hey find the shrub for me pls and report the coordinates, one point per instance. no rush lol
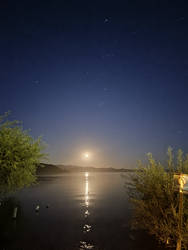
(19, 156)
(155, 199)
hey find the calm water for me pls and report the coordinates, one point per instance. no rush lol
(77, 211)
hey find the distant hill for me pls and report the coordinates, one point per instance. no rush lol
(48, 169)
(71, 168)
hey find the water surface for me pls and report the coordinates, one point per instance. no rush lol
(77, 211)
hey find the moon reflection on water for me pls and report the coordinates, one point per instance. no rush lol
(87, 227)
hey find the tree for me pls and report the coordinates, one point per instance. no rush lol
(155, 199)
(20, 155)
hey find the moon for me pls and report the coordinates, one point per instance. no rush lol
(86, 156)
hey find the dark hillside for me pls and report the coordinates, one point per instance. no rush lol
(48, 169)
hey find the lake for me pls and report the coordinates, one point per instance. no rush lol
(77, 211)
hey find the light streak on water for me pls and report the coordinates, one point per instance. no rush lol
(86, 190)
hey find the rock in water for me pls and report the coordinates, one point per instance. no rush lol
(37, 208)
(15, 213)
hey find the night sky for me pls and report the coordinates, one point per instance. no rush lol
(105, 77)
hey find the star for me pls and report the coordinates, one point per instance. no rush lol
(133, 32)
(180, 19)
(108, 55)
(179, 131)
(36, 81)
(100, 104)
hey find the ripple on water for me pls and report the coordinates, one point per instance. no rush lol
(87, 213)
(85, 245)
(86, 228)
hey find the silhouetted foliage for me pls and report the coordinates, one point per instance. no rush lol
(20, 155)
(155, 199)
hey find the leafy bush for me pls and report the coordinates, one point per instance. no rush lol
(19, 156)
(155, 199)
